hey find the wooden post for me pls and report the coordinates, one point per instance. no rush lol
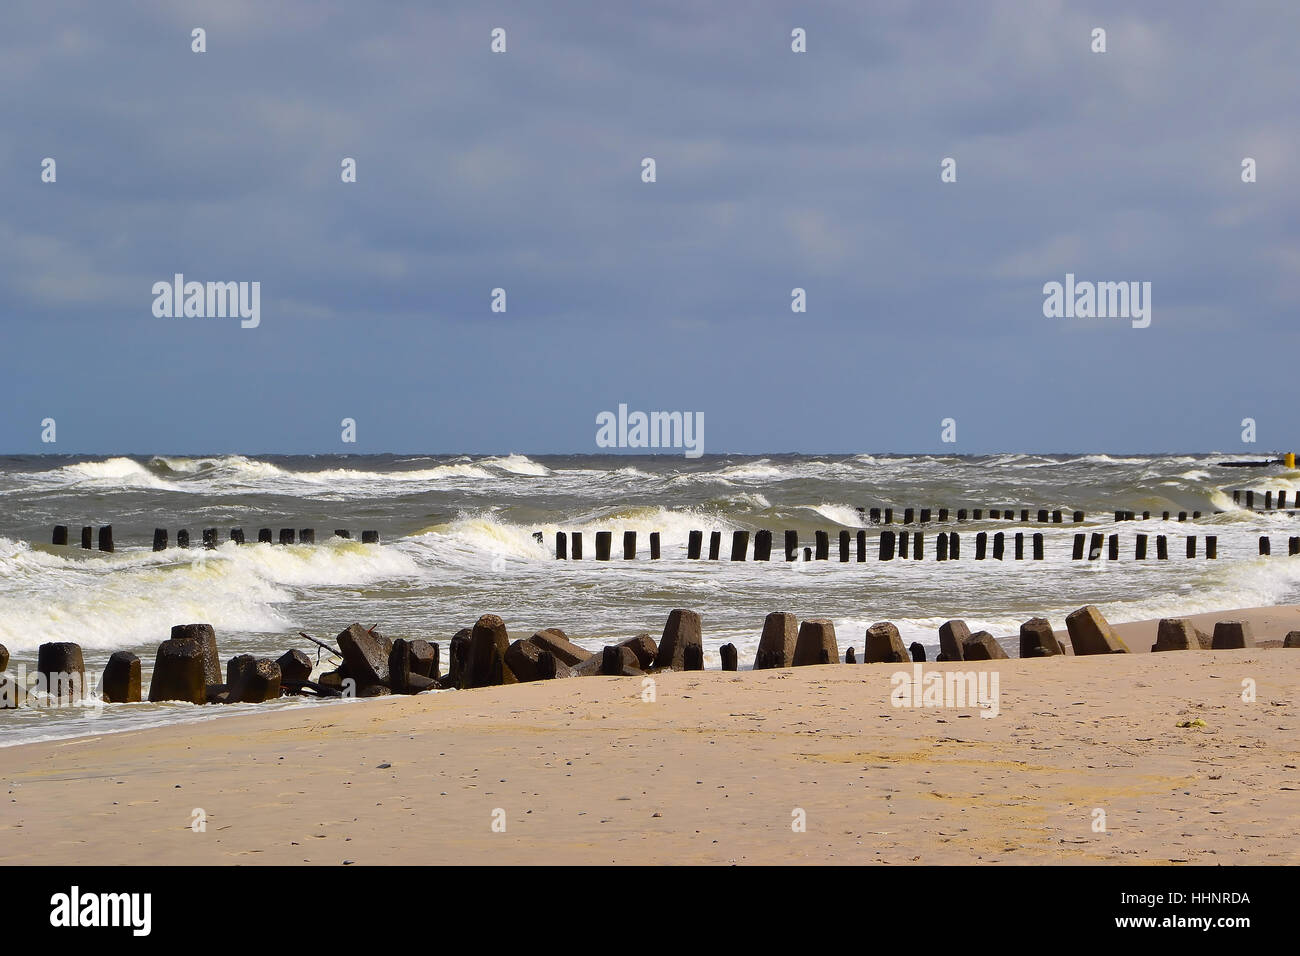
(715, 545)
(1056, 516)
(160, 539)
(1211, 546)
(981, 545)
(694, 541)
(943, 514)
(286, 536)
(961, 514)
(1162, 548)
(307, 536)
(1113, 543)
(263, 537)
(925, 516)
(1024, 516)
(561, 546)
(823, 541)
(844, 547)
(183, 538)
(654, 545)
(1094, 545)
(1265, 545)
(902, 544)
(886, 546)
(1140, 548)
(1077, 554)
(908, 515)
(918, 545)
(106, 538)
(61, 535)
(369, 537)
(739, 545)
(762, 546)
(1077, 516)
(604, 543)
(862, 546)
(792, 545)
(209, 538)
(999, 542)
(1020, 546)
(729, 657)
(874, 516)
(1042, 516)
(1191, 545)
(1038, 546)
(87, 538)
(941, 547)
(575, 546)
(954, 546)
(889, 516)
(629, 545)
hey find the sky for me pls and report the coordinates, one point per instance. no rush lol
(523, 170)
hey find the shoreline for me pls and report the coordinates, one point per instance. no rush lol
(585, 770)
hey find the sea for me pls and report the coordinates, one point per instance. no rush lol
(458, 539)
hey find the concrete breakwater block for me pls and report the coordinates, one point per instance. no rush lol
(424, 658)
(294, 666)
(1091, 634)
(816, 644)
(884, 645)
(529, 662)
(62, 668)
(777, 643)
(1038, 640)
(982, 646)
(121, 681)
(644, 647)
(566, 652)
(258, 681)
(402, 678)
(1232, 634)
(365, 654)
(1177, 634)
(683, 629)
(952, 635)
(179, 672)
(206, 637)
(485, 666)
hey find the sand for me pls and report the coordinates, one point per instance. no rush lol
(717, 769)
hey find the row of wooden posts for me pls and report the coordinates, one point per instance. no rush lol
(1043, 515)
(884, 515)
(902, 544)
(211, 537)
(1247, 498)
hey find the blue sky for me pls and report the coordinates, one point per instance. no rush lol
(522, 170)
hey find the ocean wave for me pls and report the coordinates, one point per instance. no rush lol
(132, 598)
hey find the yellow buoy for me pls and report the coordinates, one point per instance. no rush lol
(1290, 459)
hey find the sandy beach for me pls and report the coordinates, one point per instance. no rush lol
(714, 770)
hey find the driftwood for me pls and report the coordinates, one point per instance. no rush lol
(318, 690)
(334, 651)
